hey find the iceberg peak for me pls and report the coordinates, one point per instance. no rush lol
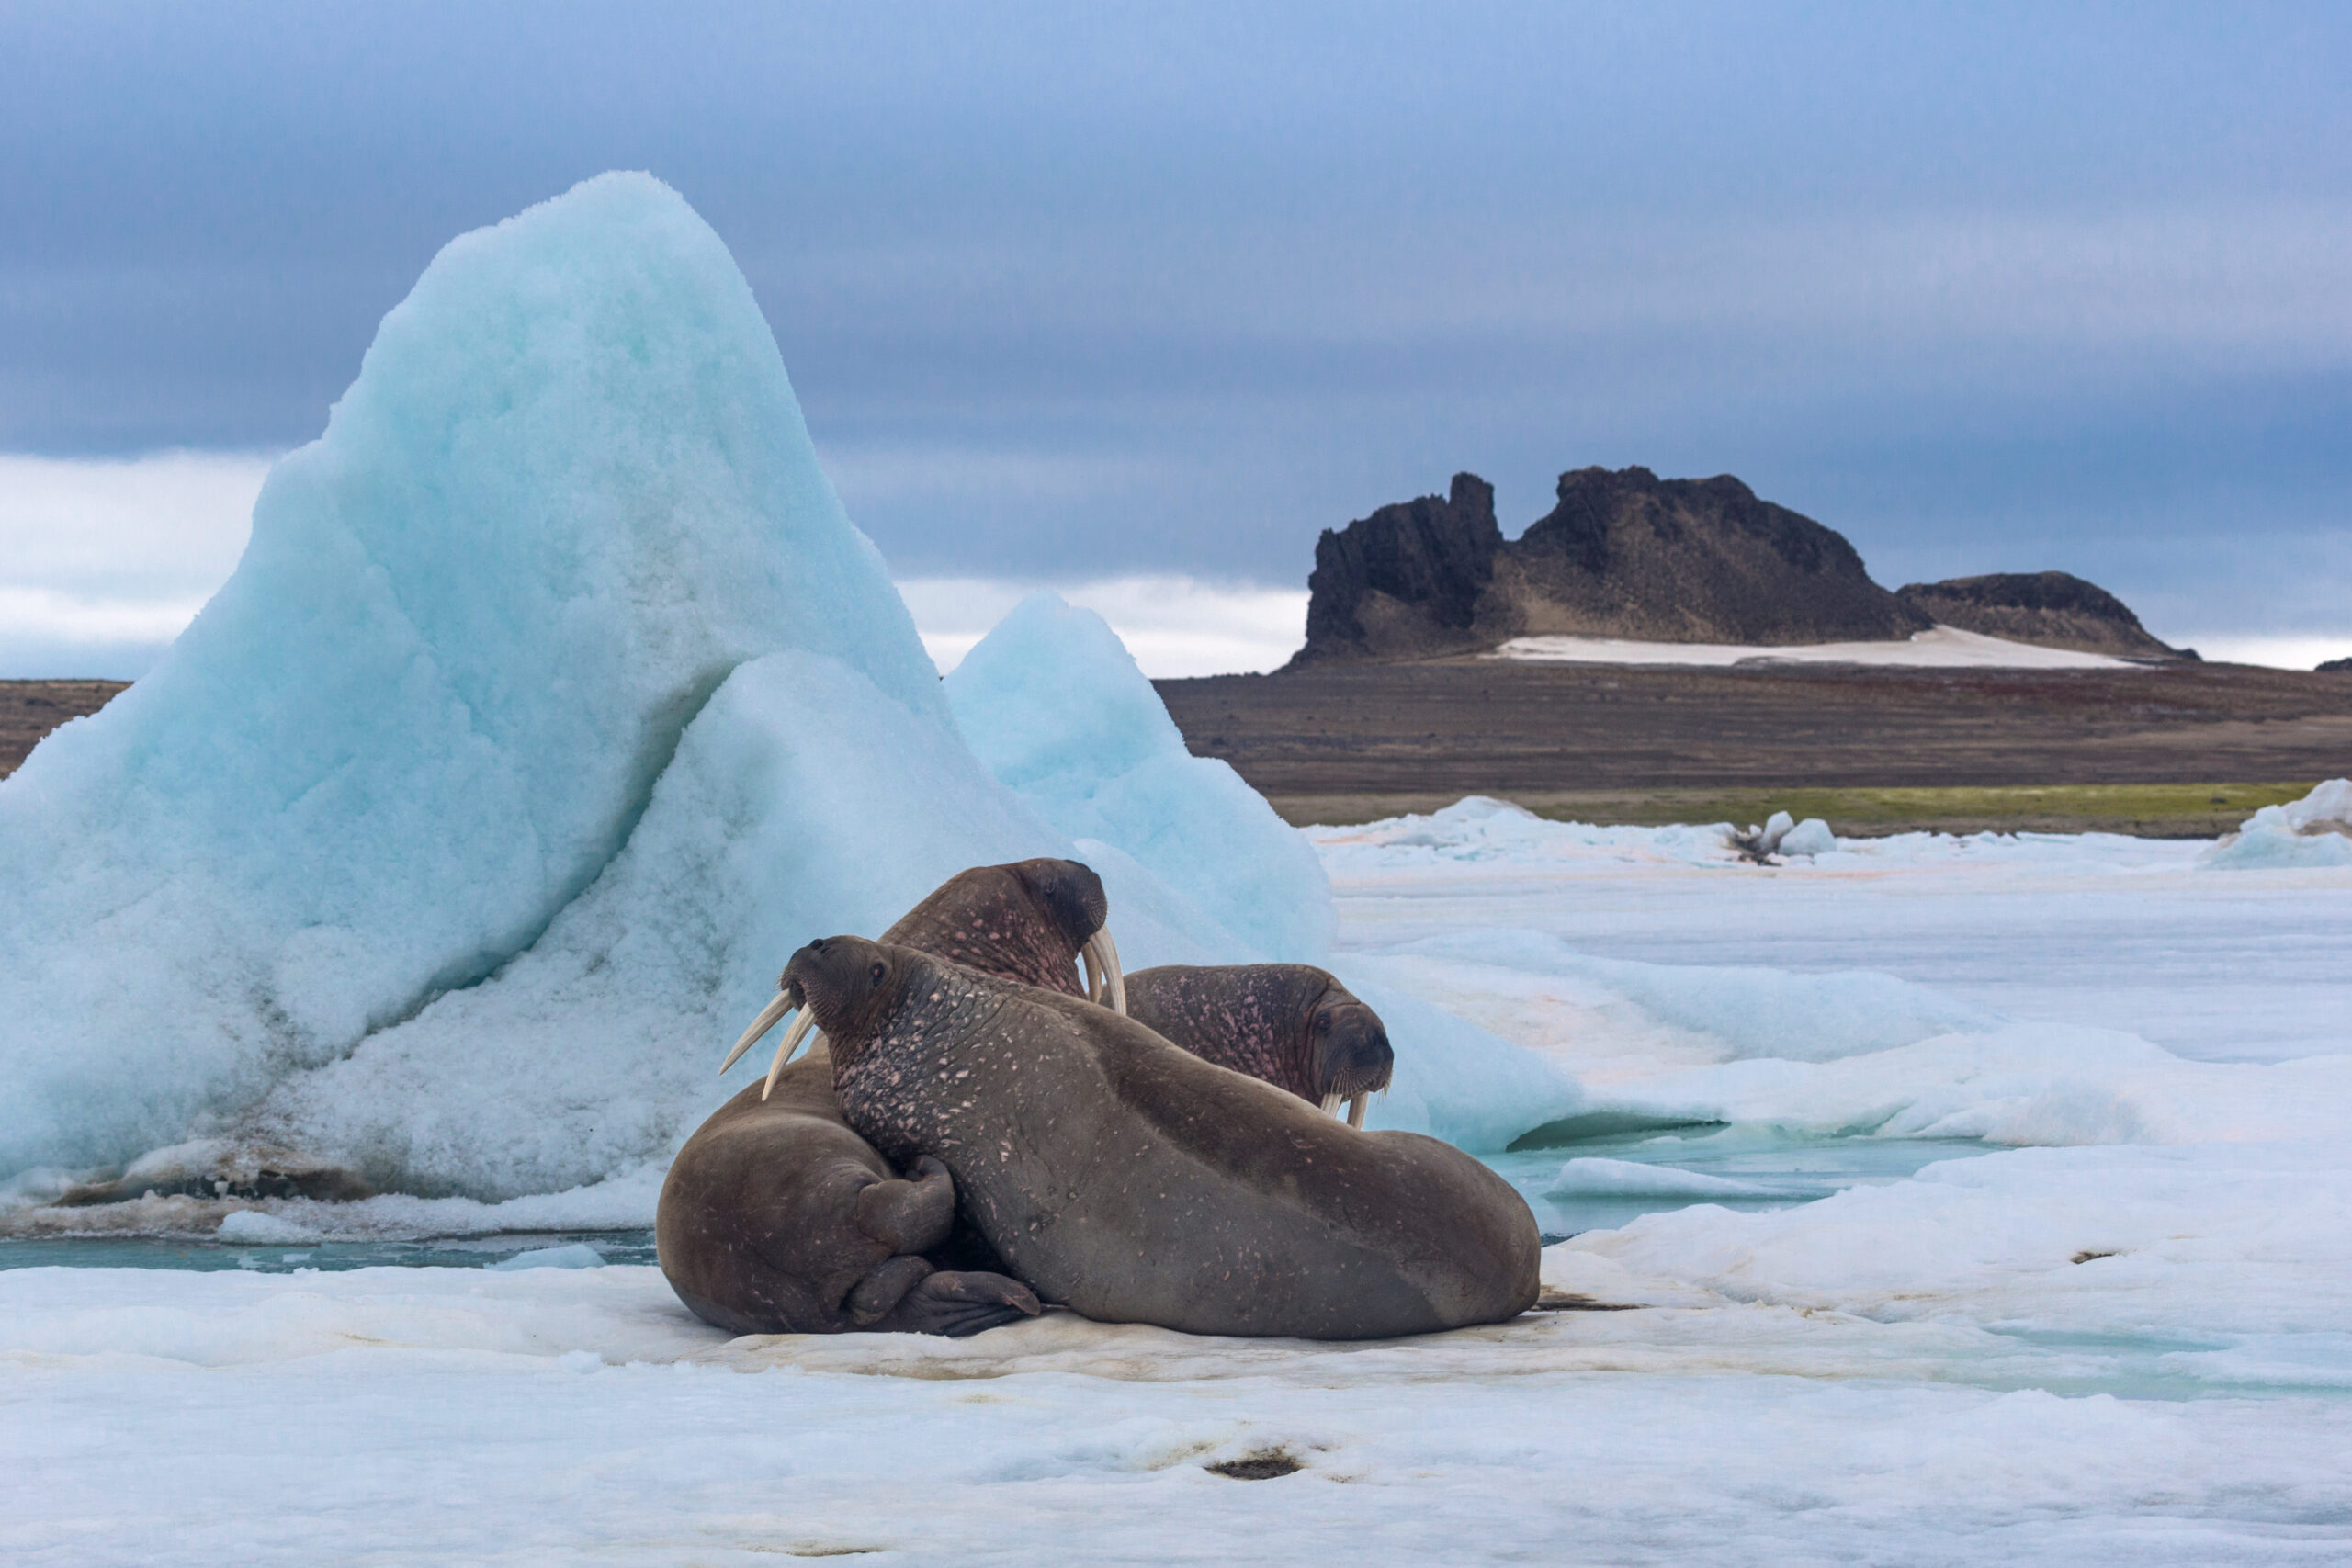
(568, 493)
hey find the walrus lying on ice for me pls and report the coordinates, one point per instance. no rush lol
(776, 1218)
(1140, 1184)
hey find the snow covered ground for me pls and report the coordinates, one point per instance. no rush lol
(2094, 1303)
(1937, 648)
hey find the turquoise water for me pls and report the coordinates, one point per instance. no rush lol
(1790, 1169)
(443, 1252)
(1785, 1167)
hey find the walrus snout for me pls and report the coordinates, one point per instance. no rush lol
(1072, 898)
(1071, 893)
(1352, 1056)
(791, 993)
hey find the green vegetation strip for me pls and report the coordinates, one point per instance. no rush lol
(2158, 811)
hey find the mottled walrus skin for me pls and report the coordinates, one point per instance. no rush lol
(776, 1218)
(1137, 1183)
(1292, 1025)
(1024, 921)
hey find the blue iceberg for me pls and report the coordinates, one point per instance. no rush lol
(555, 701)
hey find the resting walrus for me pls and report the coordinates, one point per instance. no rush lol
(1292, 1025)
(1140, 1184)
(776, 1218)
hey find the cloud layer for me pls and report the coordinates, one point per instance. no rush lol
(104, 561)
(1075, 294)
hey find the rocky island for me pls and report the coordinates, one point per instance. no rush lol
(2051, 609)
(1625, 554)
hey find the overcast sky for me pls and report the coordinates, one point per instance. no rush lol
(1091, 291)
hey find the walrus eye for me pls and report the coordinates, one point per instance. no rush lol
(1322, 1023)
(876, 972)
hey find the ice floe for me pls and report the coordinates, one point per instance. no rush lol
(549, 1413)
(2313, 831)
(2096, 1353)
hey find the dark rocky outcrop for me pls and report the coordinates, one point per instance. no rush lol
(2051, 609)
(1623, 554)
(1629, 555)
(1406, 581)
(2334, 667)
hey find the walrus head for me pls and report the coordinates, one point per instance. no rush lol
(1032, 920)
(1349, 1046)
(1039, 921)
(792, 994)
(843, 983)
(1070, 897)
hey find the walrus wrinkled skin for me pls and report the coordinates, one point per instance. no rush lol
(1292, 1025)
(1024, 921)
(1138, 1183)
(776, 1218)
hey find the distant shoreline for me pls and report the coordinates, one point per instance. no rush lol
(1874, 749)
(30, 709)
(2181, 752)
(2144, 811)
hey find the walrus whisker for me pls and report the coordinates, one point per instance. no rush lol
(1355, 1110)
(766, 1021)
(788, 1045)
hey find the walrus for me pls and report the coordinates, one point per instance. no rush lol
(776, 1218)
(1292, 1025)
(1137, 1183)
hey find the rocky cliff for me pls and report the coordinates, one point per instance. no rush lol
(1623, 554)
(1406, 581)
(2054, 609)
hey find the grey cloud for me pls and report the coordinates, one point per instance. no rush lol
(1072, 290)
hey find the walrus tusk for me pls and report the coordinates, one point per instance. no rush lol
(1101, 967)
(1331, 1104)
(786, 1046)
(760, 1025)
(1104, 983)
(1355, 1110)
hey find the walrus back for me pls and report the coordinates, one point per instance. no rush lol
(1457, 1230)
(1252, 1026)
(1137, 1183)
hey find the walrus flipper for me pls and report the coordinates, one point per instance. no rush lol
(879, 1293)
(911, 1216)
(957, 1303)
